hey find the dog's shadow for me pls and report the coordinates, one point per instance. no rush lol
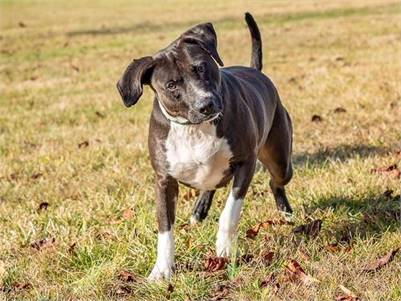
(374, 214)
(341, 153)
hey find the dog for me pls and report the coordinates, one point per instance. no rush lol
(209, 125)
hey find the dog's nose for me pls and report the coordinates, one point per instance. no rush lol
(207, 108)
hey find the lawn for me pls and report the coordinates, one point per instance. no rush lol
(77, 210)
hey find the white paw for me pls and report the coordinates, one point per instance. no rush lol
(160, 272)
(223, 244)
(193, 220)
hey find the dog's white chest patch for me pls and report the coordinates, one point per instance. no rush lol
(196, 156)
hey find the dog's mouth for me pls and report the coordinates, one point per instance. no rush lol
(211, 118)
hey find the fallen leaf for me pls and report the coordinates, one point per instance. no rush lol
(220, 292)
(76, 68)
(271, 281)
(128, 213)
(311, 229)
(100, 115)
(392, 169)
(340, 110)
(316, 118)
(245, 258)
(213, 264)
(335, 248)
(388, 193)
(43, 206)
(381, 262)
(347, 296)
(83, 144)
(21, 24)
(71, 248)
(126, 276)
(295, 272)
(18, 286)
(267, 258)
(253, 232)
(190, 194)
(44, 243)
(36, 176)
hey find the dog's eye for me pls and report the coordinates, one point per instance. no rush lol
(171, 86)
(200, 68)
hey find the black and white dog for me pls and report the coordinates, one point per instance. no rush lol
(209, 125)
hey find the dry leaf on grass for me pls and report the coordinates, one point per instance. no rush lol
(126, 276)
(213, 264)
(316, 118)
(220, 292)
(267, 258)
(381, 262)
(311, 229)
(44, 243)
(36, 176)
(347, 295)
(128, 213)
(295, 273)
(335, 248)
(340, 110)
(83, 144)
(43, 206)
(254, 231)
(271, 281)
(392, 170)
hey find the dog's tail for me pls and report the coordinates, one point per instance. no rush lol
(256, 58)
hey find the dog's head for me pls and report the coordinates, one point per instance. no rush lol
(184, 76)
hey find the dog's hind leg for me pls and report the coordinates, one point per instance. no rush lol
(202, 206)
(276, 156)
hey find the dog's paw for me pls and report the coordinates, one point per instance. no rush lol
(160, 272)
(223, 244)
(194, 220)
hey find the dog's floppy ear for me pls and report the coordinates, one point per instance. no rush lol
(135, 76)
(204, 36)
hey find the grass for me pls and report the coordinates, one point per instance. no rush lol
(59, 63)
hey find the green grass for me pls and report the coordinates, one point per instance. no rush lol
(57, 90)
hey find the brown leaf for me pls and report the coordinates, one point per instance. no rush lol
(253, 232)
(190, 194)
(43, 243)
(267, 258)
(71, 248)
(340, 110)
(99, 114)
(317, 118)
(128, 213)
(18, 286)
(220, 292)
(83, 144)
(213, 264)
(21, 24)
(347, 296)
(126, 276)
(381, 262)
(36, 176)
(388, 193)
(392, 169)
(335, 248)
(43, 206)
(295, 272)
(270, 280)
(76, 68)
(311, 229)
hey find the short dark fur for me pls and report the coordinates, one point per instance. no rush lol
(255, 123)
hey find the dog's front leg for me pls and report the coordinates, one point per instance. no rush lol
(166, 198)
(229, 218)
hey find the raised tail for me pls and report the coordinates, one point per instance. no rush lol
(256, 58)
